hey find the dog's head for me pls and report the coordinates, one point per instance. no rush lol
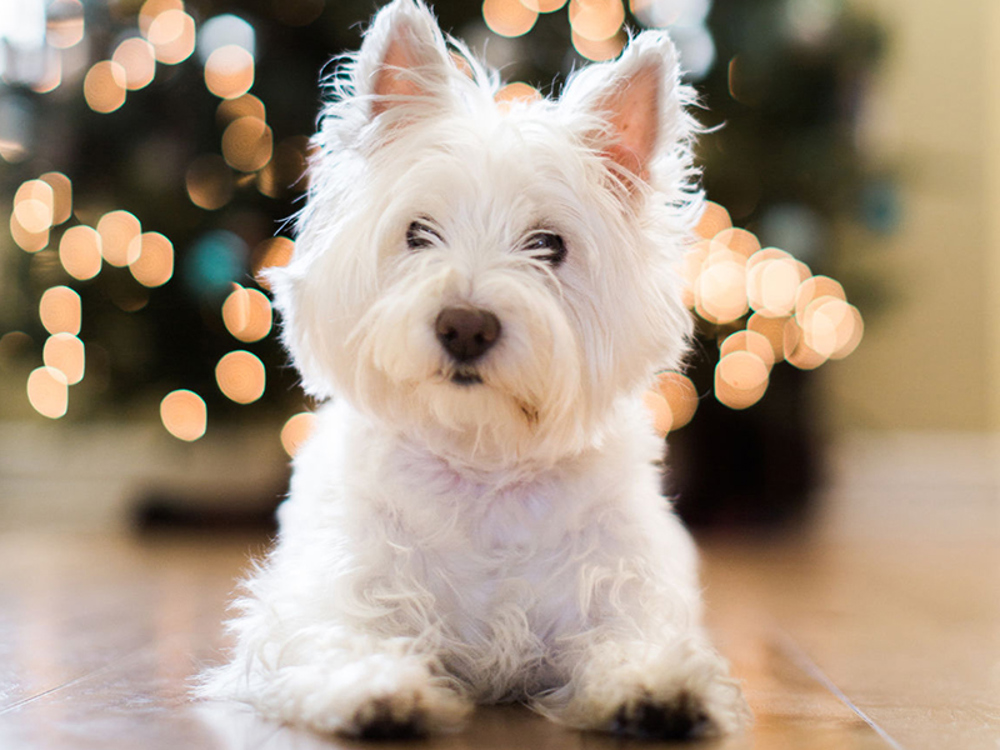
(489, 278)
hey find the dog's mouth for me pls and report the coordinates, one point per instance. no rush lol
(466, 377)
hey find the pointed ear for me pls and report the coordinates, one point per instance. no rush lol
(403, 59)
(637, 101)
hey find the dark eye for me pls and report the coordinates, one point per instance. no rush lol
(420, 234)
(546, 246)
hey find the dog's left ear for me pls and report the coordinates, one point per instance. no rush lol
(637, 105)
(404, 62)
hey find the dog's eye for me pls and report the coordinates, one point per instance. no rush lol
(420, 235)
(546, 246)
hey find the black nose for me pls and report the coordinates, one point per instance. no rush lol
(466, 333)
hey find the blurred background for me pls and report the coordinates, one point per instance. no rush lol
(845, 282)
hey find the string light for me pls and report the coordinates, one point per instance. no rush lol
(247, 314)
(229, 71)
(184, 415)
(59, 310)
(681, 396)
(659, 409)
(172, 34)
(62, 194)
(543, 6)
(120, 243)
(64, 23)
(65, 352)
(155, 265)
(598, 51)
(104, 86)
(48, 392)
(247, 143)
(794, 316)
(240, 376)
(271, 253)
(209, 182)
(596, 20)
(80, 252)
(137, 58)
(296, 431)
(34, 206)
(508, 18)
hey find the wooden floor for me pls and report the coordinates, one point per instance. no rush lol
(846, 647)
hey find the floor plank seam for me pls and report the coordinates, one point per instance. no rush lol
(797, 654)
(70, 683)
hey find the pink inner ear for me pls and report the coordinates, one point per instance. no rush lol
(634, 115)
(391, 80)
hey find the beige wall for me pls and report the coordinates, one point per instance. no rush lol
(928, 361)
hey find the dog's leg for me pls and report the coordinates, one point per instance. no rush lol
(637, 661)
(331, 681)
(666, 691)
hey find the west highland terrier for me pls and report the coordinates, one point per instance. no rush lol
(481, 293)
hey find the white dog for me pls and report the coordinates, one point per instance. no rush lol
(483, 293)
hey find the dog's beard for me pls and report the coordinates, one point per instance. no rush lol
(522, 400)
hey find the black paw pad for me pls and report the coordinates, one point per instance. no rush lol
(679, 719)
(382, 725)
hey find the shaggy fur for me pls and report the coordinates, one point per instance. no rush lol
(484, 530)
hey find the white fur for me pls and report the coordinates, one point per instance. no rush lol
(444, 544)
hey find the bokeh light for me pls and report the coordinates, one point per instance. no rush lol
(287, 169)
(172, 34)
(247, 105)
(48, 392)
(749, 341)
(52, 77)
(659, 409)
(247, 144)
(516, 92)
(681, 395)
(596, 20)
(543, 6)
(62, 193)
(65, 352)
(209, 182)
(80, 252)
(152, 8)
(600, 50)
(720, 295)
(59, 310)
(226, 30)
(275, 252)
(714, 219)
(247, 314)
(772, 329)
(138, 59)
(155, 265)
(184, 415)
(741, 379)
(34, 206)
(120, 244)
(798, 352)
(64, 23)
(240, 376)
(30, 242)
(296, 431)
(229, 71)
(104, 86)
(508, 18)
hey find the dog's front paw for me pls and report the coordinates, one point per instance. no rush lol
(680, 718)
(372, 697)
(648, 691)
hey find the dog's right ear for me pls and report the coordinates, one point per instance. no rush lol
(404, 66)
